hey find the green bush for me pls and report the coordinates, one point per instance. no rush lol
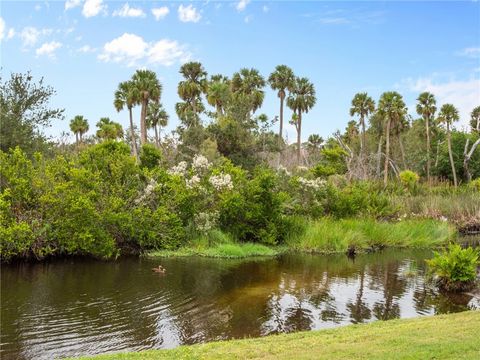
(454, 269)
(475, 184)
(409, 180)
(150, 156)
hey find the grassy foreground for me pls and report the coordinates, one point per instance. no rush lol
(326, 236)
(453, 336)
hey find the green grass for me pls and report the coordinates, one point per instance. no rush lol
(331, 236)
(453, 336)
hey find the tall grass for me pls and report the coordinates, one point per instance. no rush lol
(329, 236)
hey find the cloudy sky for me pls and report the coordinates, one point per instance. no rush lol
(84, 48)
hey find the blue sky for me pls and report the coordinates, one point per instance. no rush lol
(84, 48)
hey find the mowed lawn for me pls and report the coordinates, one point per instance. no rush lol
(453, 336)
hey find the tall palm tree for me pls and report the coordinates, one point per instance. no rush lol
(315, 142)
(447, 116)
(149, 89)
(156, 117)
(249, 83)
(426, 107)
(190, 90)
(282, 79)
(79, 126)
(362, 105)
(218, 94)
(301, 99)
(127, 95)
(392, 109)
(475, 119)
(108, 129)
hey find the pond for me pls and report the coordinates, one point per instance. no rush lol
(76, 307)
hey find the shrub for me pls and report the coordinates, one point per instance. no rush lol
(150, 156)
(409, 180)
(454, 269)
(475, 184)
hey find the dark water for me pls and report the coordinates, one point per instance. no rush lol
(78, 307)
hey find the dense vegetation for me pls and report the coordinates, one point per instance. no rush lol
(225, 171)
(452, 336)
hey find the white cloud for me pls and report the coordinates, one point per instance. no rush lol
(167, 52)
(471, 52)
(464, 94)
(160, 12)
(93, 8)
(188, 14)
(38, 7)
(248, 18)
(70, 4)
(2, 28)
(132, 49)
(30, 35)
(127, 11)
(265, 8)
(11, 33)
(48, 49)
(86, 49)
(242, 4)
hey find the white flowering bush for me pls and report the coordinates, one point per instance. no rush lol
(193, 182)
(221, 182)
(200, 163)
(147, 192)
(314, 184)
(180, 169)
(206, 221)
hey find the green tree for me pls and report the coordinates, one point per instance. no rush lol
(79, 126)
(362, 105)
(149, 89)
(392, 109)
(426, 108)
(281, 80)
(475, 120)
(108, 129)
(157, 117)
(300, 100)
(127, 95)
(218, 95)
(25, 112)
(190, 90)
(249, 84)
(447, 116)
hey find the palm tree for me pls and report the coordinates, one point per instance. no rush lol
(447, 116)
(79, 126)
(281, 79)
(127, 95)
(426, 108)
(392, 109)
(156, 117)
(108, 129)
(315, 142)
(148, 88)
(475, 119)
(249, 83)
(362, 105)
(190, 91)
(301, 99)
(218, 94)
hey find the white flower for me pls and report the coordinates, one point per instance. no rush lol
(152, 184)
(200, 163)
(311, 184)
(204, 222)
(180, 169)
(283, 169)
(302, 168)
(222, 181)
(193, 182)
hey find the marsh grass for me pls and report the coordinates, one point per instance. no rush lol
(331, 236)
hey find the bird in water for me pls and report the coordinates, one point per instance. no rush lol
(160, 269)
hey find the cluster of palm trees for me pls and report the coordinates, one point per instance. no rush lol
(142, 89)
(392, 113)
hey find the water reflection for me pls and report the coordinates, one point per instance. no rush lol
(75, 307)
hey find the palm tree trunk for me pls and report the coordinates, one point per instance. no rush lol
(363, 142)
(467, 156)
(427, 120)
(299, 137)
(379, 155)
(157, 141)
(387, 153)
(451, 156)
(76, 138)
(402, 152)
(280, 132)
(132, 134)
(143, 127)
